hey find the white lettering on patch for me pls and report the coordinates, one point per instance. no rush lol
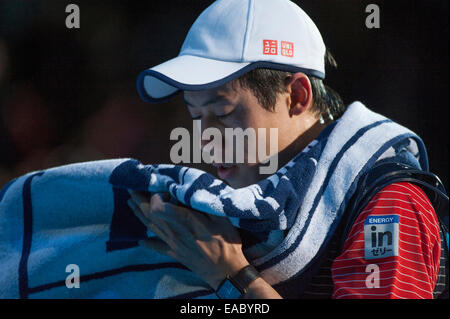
(381, 236)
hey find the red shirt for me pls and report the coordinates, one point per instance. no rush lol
(393, 248)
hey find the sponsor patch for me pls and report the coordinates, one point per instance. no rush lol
(381, 236)
(270, 47)
(287, 49)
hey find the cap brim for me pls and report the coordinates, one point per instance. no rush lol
(185, 72)
(193, 73)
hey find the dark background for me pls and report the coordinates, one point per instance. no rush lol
(69, 95)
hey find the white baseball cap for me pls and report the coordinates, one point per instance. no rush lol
(232, 37)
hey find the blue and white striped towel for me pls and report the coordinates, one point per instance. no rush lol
(77, 215)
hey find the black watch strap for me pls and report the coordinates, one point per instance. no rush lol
(233, 287)
(244, 278)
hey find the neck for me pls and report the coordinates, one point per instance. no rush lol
(302, 140)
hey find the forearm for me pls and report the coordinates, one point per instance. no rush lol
(260, 289)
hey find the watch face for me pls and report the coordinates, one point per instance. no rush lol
(228, 291)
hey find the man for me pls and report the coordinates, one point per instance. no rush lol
(260, 64)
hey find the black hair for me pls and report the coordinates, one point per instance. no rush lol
(266, 84)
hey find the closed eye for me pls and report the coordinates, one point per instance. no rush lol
(226, 115)
(219, 116)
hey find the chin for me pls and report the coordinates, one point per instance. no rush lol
(234, 183)
(241, 180)
(242, 176)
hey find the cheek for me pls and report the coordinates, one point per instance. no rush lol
(250, 117)
(258, 124)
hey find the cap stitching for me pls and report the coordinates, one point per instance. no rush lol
(247, 28)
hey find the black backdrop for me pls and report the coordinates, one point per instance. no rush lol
(69, 94)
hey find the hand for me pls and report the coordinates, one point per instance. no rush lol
(208, 245)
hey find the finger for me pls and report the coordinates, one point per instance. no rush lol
(156, 244)
(157, 201)
(186, 221)
(173, 215)
(166, 229)
(141, 199)
(176, 221)
(183, 215)
(152, 226)
(165, 197)
(137, 211)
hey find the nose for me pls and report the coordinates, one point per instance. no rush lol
(212, 134)
(208, 122)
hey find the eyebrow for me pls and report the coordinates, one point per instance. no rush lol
(215, 99)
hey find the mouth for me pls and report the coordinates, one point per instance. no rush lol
(225, 170)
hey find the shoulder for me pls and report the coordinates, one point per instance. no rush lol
(397, 232)
(407, 193)
(406, 200)
(403, 205)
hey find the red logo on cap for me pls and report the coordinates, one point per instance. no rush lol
(270, 47)
(287, 49)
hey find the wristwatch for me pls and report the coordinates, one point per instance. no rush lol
(235, 287)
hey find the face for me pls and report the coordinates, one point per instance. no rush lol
(234, 107)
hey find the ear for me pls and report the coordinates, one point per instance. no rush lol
(299, 87)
